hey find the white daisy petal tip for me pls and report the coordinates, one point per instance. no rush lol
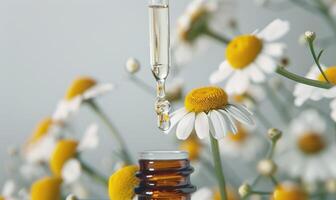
(90, 139)
(71, 171)
(275, 30)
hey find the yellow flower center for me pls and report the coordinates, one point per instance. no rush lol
(41, 129)
(64, 150)
(48, 188)
(330, 74)
(205, 99)
(193, 146)
(289, 192)
(79, 86)
(311, 143)
(122, 183)
(240, 136)
(2, 198)
(243, 50)
(198, 22)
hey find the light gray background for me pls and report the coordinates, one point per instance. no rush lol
(44, 44)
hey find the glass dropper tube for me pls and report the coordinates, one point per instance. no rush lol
(159, 33)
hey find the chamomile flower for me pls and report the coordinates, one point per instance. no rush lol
(304, 92)
(242, 144)
(8, 191)
(250, 56)
(198, 17)
(122, 183)
(81, 90)
(46, 188)
(289, 191)
(207, 110)
(308, 149)
(63, 161)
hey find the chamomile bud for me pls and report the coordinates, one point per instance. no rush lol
(310, 36)
(132, 65)
(244, 190)
(274, 134)
(266, 167)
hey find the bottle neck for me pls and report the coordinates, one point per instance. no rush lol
(164, 179)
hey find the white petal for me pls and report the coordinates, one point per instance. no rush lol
(71, 171)
(237, 84)
(274, 49)
(185, 127)
(255, 74)
(241, 114)
(229, 121)
(221, 74)
(218, 123)
(274, 30)
(175, 118)
(266, 63)
(90, 139)
(98, 90)
(202, 125)
(8, 188)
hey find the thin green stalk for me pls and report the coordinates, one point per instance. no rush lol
(274, 180)
(282, 71)
(99, 112)
(272, 150)
(93, 173)
(218, 168)
(216, 36)
(317, 62)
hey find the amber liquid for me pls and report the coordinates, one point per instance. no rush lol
(164, 180)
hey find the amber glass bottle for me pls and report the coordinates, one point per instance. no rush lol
(164, 175)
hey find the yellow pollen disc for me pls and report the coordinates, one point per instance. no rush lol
(41, 130)
(243, 50)
(311, 143)
(122, 183)
(2, 198)
(205, 99)
(330, 74)
(64, 150)
(48, 188)
(193, 146)
(289, 192)
(79, 86)
(240, 136)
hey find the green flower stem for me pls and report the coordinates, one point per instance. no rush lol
(126, 155)
(216, 36)
(218, 168)
(317, 62)
(283, 72)
(93, 173)
(272, 150)
(274, 180)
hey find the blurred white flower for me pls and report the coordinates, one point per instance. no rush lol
(242, 145)
(81, 90)
(304, 92)
(199, 15)
(333, 109)
(331, 5)
(203, 194)
(308, 149)
(72, 169)
(207, 111)
(254, 95)
(8, 190)
(249, 57)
